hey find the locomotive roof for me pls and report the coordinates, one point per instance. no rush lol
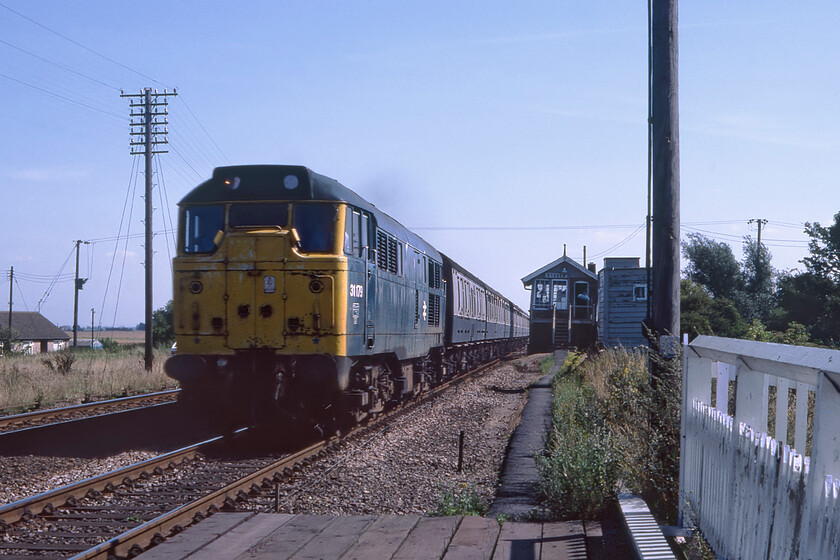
(250, 183)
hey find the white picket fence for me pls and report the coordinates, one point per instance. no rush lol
(751, 495)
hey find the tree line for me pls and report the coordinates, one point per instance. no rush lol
(750, 299)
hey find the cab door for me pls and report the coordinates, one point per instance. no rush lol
(370, 291)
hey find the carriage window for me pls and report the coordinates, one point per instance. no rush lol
(315, 224)
(201, 224)
(267, 214)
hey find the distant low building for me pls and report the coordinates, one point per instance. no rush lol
(88, 343)
(622, 303)
(32, 333)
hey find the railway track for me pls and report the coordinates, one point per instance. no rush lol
(120, 514)
(54, 415)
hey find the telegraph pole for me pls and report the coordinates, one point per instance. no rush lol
(80, 282)
(761, 222)
(146, 135)
(665, 164)
(11, 294)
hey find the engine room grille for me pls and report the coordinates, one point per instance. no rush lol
(434, 275)
(393, 265)
(382, 250)
(434, 310)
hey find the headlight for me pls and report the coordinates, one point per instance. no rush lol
(316, 286)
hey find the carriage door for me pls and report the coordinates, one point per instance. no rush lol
(370, 291)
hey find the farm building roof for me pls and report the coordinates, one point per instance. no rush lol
(31, 325)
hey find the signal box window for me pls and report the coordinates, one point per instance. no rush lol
(266, 214)
(542, 294)
(201, 224)
(315, 224)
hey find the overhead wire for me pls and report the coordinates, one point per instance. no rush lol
(56, 64)
(128, 194)
(212, 141)
(66, 38)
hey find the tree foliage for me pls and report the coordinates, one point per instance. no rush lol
(700, 313)
(712, 265)
(824, 246)
(163, 330)
(755, 299)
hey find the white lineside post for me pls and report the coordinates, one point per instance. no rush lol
(825, 461)
(696, 384)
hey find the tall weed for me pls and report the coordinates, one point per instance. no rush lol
(612, 426)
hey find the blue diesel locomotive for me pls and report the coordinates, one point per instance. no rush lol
(296, 299)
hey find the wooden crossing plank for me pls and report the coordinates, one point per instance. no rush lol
(242, 537)
(382, 538)
(289, 538)
(519, 541)
(183, 544)
(475, 539)
(336, 538)
(429, 539)
(563, 540)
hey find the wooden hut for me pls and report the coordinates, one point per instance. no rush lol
(563, 305)
(622, 302)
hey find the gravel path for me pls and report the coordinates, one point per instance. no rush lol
(410, 466)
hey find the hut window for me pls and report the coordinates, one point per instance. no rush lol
(640, 292)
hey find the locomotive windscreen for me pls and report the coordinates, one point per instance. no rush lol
(315, 224)
(265, 214)
(201, 224)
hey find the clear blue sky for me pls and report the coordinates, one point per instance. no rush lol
(499, 116)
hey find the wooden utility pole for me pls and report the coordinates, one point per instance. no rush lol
(11, 298)
(665, 163)
(79, 285)
(151, 111)
(761, 222)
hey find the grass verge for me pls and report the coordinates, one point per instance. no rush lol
(612, 428)
(44, 380)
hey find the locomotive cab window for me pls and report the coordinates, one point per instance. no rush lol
(354, 234)
(201, 224)
(315, 224)
(265, 214)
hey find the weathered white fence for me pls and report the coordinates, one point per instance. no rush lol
(751, 495)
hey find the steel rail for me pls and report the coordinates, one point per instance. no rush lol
(155, 530)
(16, 511)
(46, 413)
